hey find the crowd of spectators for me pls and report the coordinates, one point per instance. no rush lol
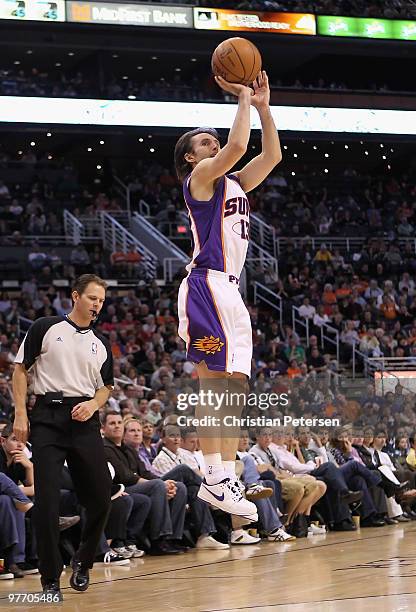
(347, 203)
(302, 483)
(366, 294)
(189, 88)
(151, 368)
(32, 210)
(337, 470)
(150, 359)
(197, 89)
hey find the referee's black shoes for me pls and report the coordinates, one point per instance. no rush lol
(80, 579)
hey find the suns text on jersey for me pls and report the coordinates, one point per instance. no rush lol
(238, 205)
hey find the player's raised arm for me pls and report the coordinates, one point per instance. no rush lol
(260, 166)
(209, 169)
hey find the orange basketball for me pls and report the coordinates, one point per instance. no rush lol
(236, 60)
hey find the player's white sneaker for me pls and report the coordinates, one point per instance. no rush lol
(226, 496)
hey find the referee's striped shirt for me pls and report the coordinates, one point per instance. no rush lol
(65, 357)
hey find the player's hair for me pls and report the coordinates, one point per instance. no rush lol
(184, 145)
(82, 282)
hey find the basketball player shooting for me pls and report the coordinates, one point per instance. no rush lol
(213, 320)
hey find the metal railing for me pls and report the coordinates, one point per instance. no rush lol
(381, 364)
(144, 209)
(357, 356)
(333, 243)
(387, 364)
(74, 229)
(117, 238)
(170, 267)
(129, 381)
(263, 234)
(23, 325)
(122, 216)
(92, 224)
(328, 334)
(161, 238)
(297, 319)
(266, 295)
(263, 259)
(124, 191)
(47, 240)
(332, 339)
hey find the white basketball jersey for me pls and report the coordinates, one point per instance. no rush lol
(220, 227)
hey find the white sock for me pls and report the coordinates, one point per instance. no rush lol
(214, 468)
(229, 468)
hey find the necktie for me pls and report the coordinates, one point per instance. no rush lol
(377, 461)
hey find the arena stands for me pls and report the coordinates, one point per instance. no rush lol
(185, 84)
(340, 218)
(150, 365)
(403, 9)
(366, 294)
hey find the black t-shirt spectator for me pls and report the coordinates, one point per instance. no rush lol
(15, 471)
(139, 357)
(316, 362)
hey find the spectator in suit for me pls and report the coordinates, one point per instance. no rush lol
(167, 498)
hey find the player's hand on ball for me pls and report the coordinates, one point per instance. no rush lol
(261, 88)
(84, 410)
(233, 88)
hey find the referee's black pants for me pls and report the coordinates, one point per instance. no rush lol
(56, 437)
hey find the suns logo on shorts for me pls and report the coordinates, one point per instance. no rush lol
(208, 345)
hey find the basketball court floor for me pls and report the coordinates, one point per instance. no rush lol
(372, 570)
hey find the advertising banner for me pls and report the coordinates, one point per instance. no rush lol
(250, 21)
(366, 28)
(159, 15)
(32, 10)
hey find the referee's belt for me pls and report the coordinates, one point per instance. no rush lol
(57, 397)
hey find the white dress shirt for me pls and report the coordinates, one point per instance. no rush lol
(195, 460)
(165, 461)
(288, 461)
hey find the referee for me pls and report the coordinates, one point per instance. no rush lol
(72, 370)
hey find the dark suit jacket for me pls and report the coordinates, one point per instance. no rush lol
(126, 463)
